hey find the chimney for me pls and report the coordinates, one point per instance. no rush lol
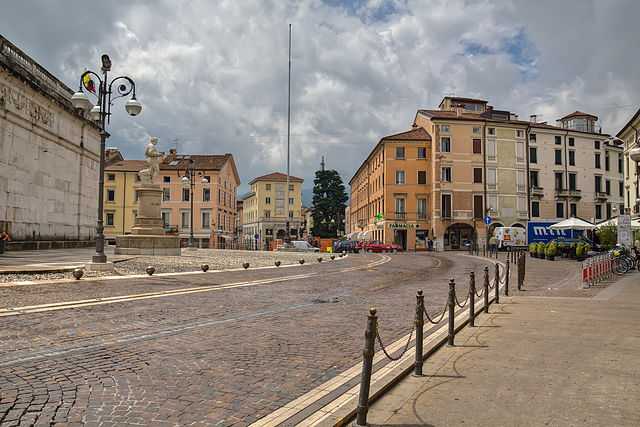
(458, 109)
(533, 118)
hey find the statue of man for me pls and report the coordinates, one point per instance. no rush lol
(153, 157)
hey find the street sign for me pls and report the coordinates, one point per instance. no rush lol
(487, 220)
(624, 231)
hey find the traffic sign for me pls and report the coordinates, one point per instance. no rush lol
(487, 220)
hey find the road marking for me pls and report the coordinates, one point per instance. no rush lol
(16, 311)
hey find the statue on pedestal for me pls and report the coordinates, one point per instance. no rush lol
(153, 157)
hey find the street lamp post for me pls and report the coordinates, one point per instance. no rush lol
(634, 155)
(188, 181)
(101, 113)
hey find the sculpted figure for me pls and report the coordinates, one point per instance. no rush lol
(153, 157)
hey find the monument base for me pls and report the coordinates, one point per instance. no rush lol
(139, 244)
(99, 266)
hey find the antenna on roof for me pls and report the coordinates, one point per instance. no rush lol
(176, 142)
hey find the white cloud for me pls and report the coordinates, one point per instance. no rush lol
(213, 73)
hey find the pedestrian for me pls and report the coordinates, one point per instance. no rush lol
(493, 244)
(4, 238)
(430, 244)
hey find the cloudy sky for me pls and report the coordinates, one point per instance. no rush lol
(212, 75)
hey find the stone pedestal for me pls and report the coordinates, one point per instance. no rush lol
(148, 236)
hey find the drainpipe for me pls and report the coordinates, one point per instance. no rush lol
(527, 171)
(124, 202)
(566, 173)
(484, 181)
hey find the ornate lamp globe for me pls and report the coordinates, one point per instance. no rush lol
(80, 101)
(133, 107)
(185, 181)
(95, 113)
(634, 154)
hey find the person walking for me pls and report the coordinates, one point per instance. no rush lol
(493, 245)
(4, 238)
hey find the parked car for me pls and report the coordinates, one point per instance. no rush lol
(300, 246)
(379, 247)
(346, 246)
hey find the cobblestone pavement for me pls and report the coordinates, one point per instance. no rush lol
(215, 358)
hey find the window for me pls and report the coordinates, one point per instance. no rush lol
(422, 152)
(573, 210)
(400, 205)
(607, 187)
(558, 140)
(185, 195)
(572, 158)
(596, 145)
(572, 142)
(620, 169)
(422, 177)
(205, 217)
(597, 161)
(267, 187)
(446, 174)
(111, 177)
(267, 200)
(166, 218)
(422, 208)
(572, 182)
(166, 194)
(492, 131)
(445, 206)
(533, 155)
(109, 219)
(598, 211)
(400, 153)
(400, 177)
(558, 180)
(478, 206)
(267, 213)
(520, 181)
(444, 128)
(166, 179)
(533, 177)
(606, 161)
(184, 219)
(519, 133)
(621, 189)
(291, 215)
(290, 187)
(558, 157)
(476, 130)
(608, 210)
(477, 146)
(559, 210)
(598, 181)
(491, 149)
(136, 195)
(477, 175)
(111, 195)
(520, 151)
(492, 178)
(445, 144)
(291, 200)
(535, 209)
(206, 195)
(532, 137)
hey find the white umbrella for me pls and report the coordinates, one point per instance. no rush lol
(635, 223)
(572, 224)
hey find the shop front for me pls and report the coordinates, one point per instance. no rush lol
(458, 236)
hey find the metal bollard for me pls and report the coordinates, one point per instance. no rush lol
(506, 280)
(472, 299)
(519, 273)
(497, 284)
(452, 309)
(367, 368)
(486, 289)
(419, 331)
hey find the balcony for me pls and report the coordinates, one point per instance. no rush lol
(401, 216)
(573, 193)
(601, 195)
(537, 191)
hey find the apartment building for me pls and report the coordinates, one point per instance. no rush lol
(265, 213)
(574, 170)
(630, 134)
(389, 192)
(214, 197)
(483, 162)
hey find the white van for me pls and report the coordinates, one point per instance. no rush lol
(510, 237)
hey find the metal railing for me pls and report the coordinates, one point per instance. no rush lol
(499, 281)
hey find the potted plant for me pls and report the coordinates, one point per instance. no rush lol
(532, 250)
(551, 251)
(540, 250)
(580, 253)
(572, 251)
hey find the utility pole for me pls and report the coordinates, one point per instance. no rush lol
(286, 203)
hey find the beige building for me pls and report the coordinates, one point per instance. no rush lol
(630, 134)
(214, 197)
(265, 209)
(49, 155)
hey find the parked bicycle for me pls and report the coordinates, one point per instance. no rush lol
(623, 260)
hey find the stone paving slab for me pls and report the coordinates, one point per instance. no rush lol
(538, 361)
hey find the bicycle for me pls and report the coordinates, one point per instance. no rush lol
(623, 262)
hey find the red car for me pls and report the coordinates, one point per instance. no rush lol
(379, 247)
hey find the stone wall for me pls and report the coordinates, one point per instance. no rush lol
(48, 161)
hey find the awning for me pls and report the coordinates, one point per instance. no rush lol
(635, 223)
(572, 224)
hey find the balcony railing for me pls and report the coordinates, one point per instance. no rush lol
(601, 195)
(537, 191)
(401, 216)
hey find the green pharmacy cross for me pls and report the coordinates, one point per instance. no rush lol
(378, 217)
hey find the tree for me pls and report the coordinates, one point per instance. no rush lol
(329, 203)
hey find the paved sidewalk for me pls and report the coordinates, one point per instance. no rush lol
(532, 361)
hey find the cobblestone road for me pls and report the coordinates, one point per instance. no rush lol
(219, 357)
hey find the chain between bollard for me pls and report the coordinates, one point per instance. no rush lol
(441, 315)
(461, 304)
